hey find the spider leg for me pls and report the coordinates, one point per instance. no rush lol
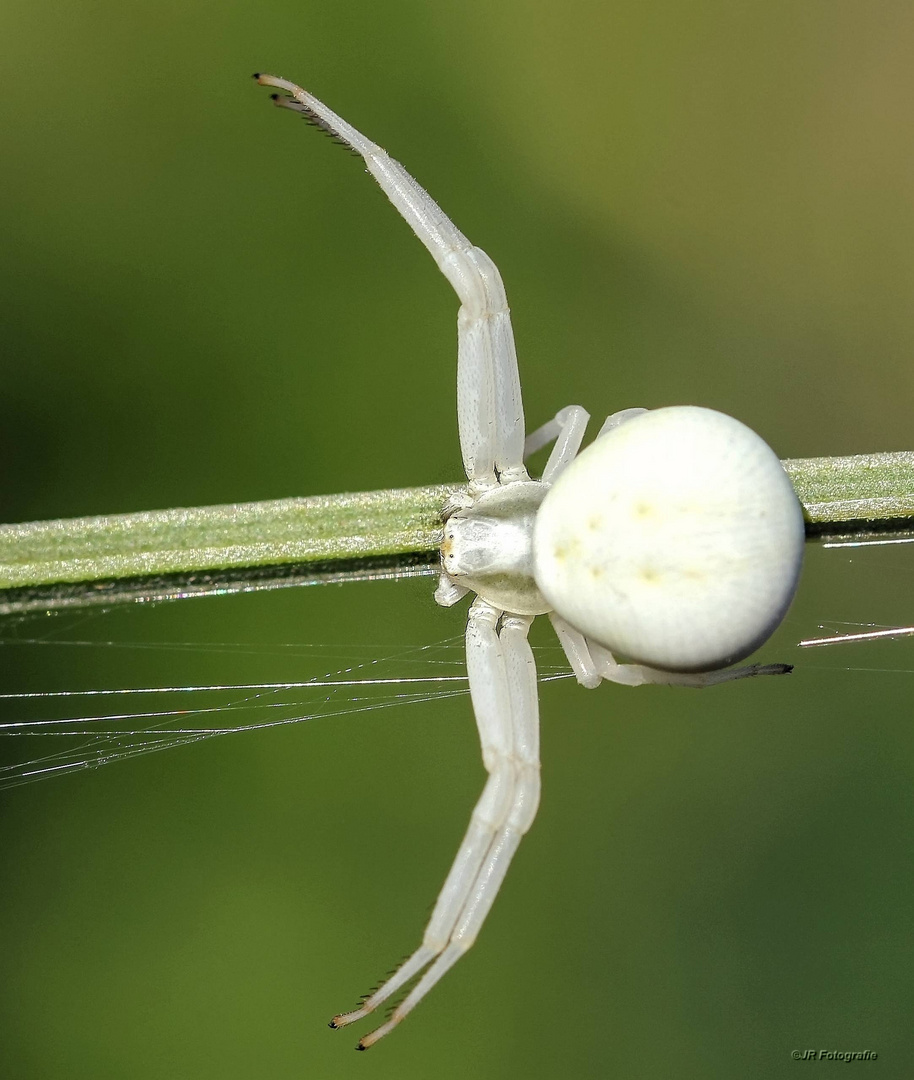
(617, 418)
(574, 643)
(567, 428)
(448, 591)
(503, 689)
(489, 409)
(591, 663)
(641, 674)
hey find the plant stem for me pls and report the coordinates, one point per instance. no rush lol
(863, 494)
(206, 549)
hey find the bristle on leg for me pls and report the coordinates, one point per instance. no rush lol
(315, 112)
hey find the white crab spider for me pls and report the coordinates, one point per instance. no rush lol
(675, 538)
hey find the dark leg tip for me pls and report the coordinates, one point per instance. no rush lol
(332, 1024)
(256, 75)
(360, 1047)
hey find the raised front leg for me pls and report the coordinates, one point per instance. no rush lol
(502, 678)
(490, 414)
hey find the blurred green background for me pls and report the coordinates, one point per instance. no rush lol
(204, 301)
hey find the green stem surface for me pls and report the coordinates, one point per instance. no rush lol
(841, 496)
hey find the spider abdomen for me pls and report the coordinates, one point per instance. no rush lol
(675, 539)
